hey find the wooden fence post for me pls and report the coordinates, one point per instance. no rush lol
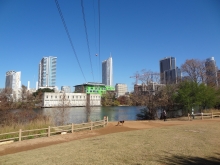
(48, 131)
(202, 116)
(72, 127)
(91, 125)
(107, 121)
(212, 115)
(20, 134)
(188, 116)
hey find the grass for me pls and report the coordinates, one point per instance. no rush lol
(182, 144)
(36, 124)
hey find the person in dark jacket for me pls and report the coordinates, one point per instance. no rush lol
(164, 115)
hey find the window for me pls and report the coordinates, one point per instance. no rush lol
(51, 97)
(55, 96)
(73, 97)
(47, 97)
(68, 97)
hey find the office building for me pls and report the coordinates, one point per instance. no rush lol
(94, 88)
(169, 73)
(107, 72)
(211, 71)
(47, 72)
(121, 89)
(13, 82)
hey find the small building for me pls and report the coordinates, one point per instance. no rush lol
(121, 89)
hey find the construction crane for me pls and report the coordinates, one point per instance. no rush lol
(138, 76)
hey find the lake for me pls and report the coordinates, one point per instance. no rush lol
(79, 115)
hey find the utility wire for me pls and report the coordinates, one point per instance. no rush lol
(99, 36)
(87, 38)
(70, 40)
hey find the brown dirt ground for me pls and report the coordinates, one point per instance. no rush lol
(110, 128)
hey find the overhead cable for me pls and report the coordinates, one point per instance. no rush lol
(87, 38)
(70, 40)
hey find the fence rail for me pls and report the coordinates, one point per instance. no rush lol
(47, 132)
(204, 115)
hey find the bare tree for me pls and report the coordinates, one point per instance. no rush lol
(194, 70)
(61, 113)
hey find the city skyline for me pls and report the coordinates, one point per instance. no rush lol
(137, 33)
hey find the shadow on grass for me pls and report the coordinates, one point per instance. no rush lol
(185, 160)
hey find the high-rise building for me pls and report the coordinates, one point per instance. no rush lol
(121, 89)
(47, 72)
(13, 82)
(169, 73)
(211, 71)
(107, 72)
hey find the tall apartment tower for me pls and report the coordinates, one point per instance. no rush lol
(211, 71)
(47, 72)
(169, 73)
(13, 81)
(107, 72)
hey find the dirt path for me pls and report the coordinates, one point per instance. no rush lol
(110, 128)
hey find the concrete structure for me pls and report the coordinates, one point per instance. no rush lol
(47, 72)
(169, 73)
(93, 88)
(121, 89)
(66, 89)
(211, 72)
(107, 72)
(70, 99)
(144, 89)
(13, 82)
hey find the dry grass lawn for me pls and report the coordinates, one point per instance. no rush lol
(185, 142)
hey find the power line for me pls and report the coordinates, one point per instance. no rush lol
(70, 40)
(99, 35)
(87, 38)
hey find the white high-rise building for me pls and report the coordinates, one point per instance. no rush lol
(121, 89)
(13, 82)
(107, 72)
(47, 72)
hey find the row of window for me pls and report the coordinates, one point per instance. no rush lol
(72, 97)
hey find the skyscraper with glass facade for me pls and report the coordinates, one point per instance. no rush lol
(47, 72)
(107, 72)
(169, 73)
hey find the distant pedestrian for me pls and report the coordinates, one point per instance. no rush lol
(164, 115)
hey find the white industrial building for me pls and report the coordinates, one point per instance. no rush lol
(70, 99)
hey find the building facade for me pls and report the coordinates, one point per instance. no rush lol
(169, 73)
(211, 72)
(107, 72)
(13, 82)
(121, 89)
(51, 99)
(47, 72)
(93, 88)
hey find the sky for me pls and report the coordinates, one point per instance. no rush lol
(136, 33)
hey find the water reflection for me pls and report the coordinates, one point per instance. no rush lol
(79, 114)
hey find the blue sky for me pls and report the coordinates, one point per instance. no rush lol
(137, 33)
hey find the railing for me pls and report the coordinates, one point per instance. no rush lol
(47, 132)
(204, 115)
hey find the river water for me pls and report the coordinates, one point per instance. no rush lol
(79, 114)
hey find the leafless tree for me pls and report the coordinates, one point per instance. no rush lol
(194, 70)
(61, 113)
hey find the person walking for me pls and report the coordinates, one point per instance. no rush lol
(164, 115)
